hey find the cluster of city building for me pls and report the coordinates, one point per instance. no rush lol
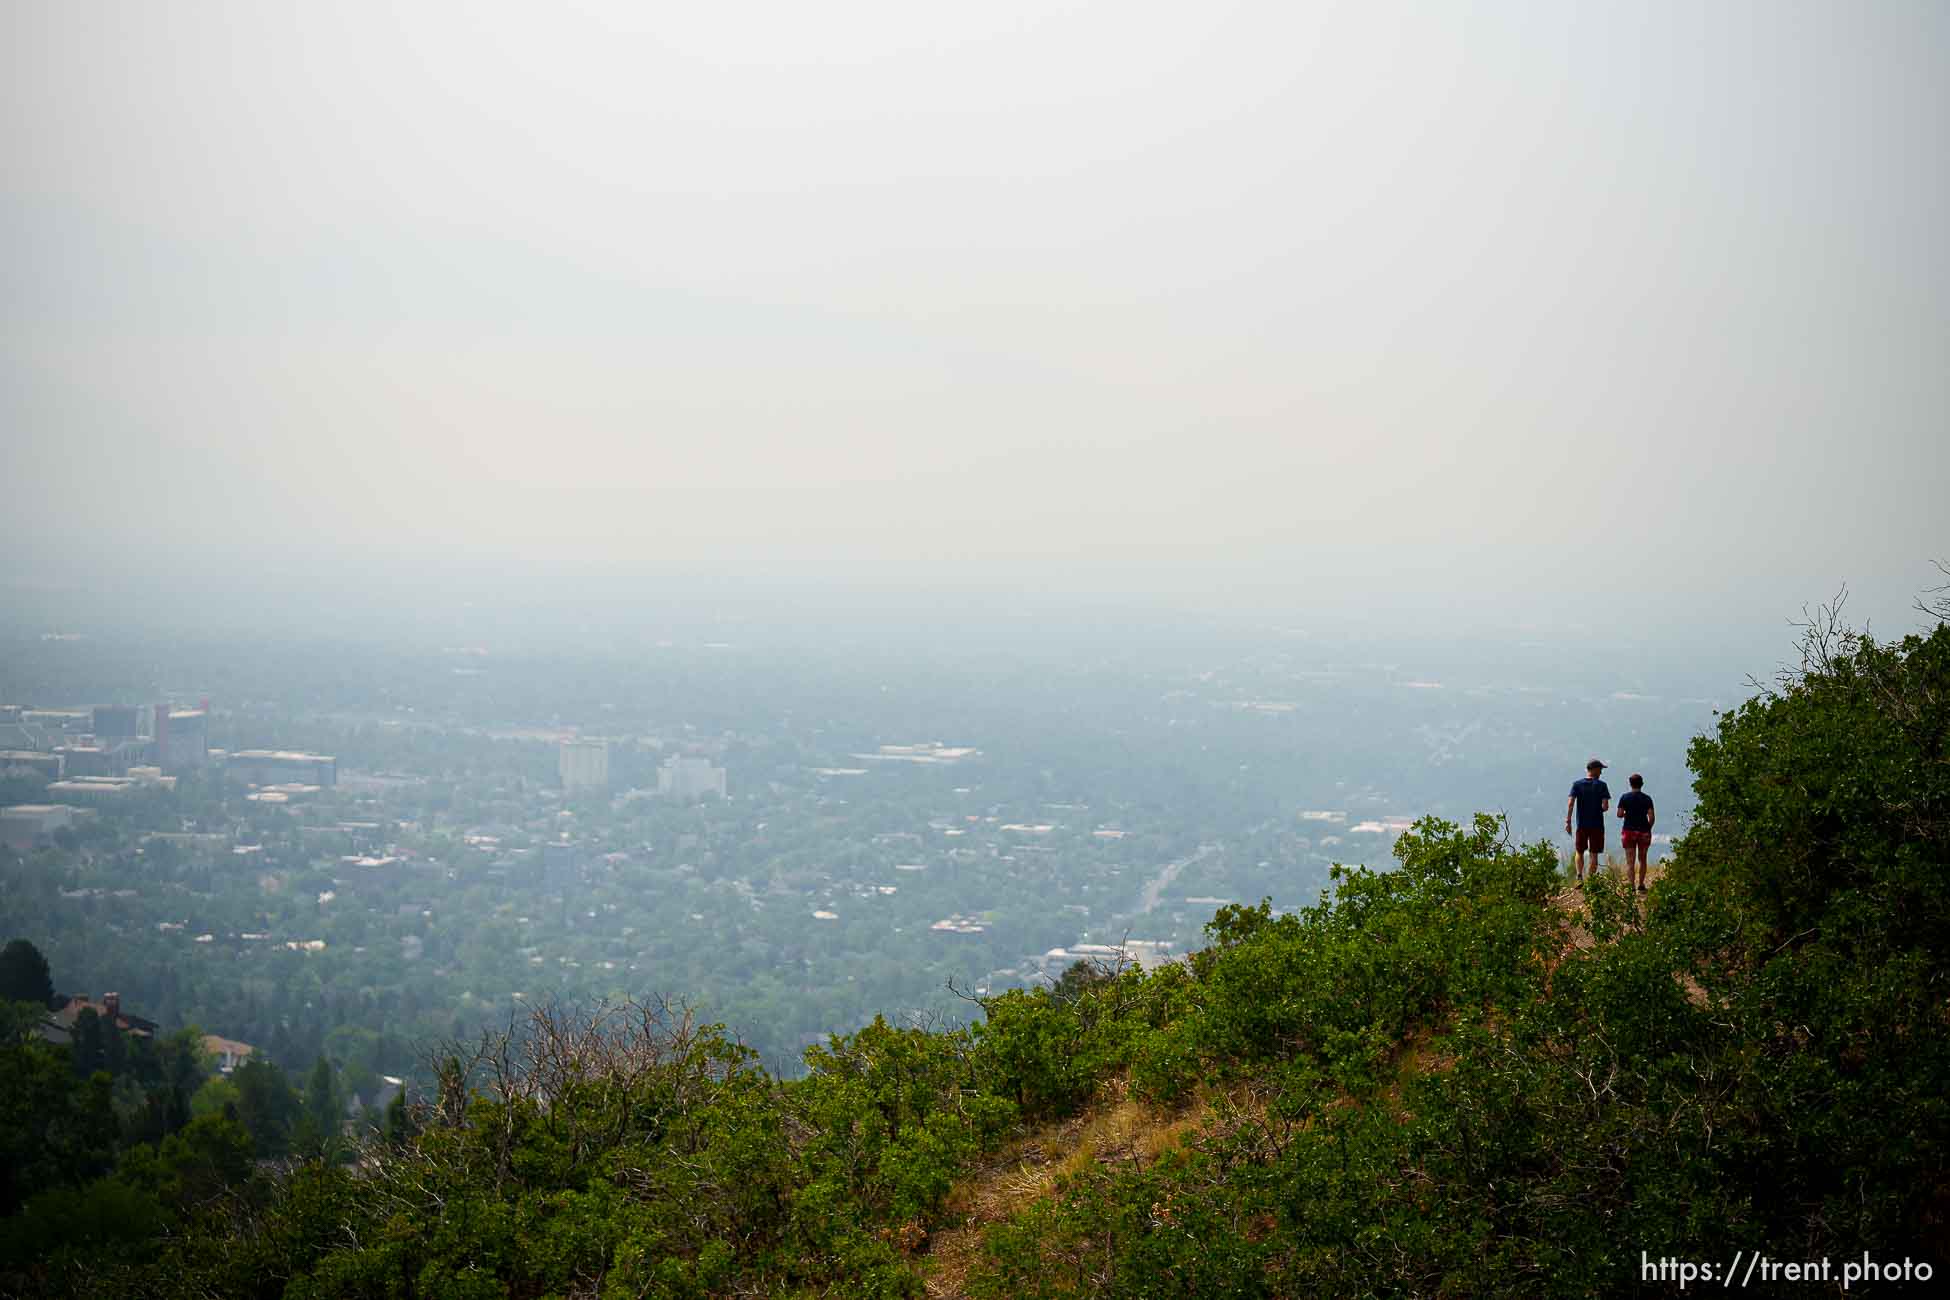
(584, 767)
(84, 758)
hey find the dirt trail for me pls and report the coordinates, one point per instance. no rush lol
(1569, 902)
(1120, 1130)
(1570, 899)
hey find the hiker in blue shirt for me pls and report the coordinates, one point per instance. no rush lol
(1636, 808)
(1590, 800)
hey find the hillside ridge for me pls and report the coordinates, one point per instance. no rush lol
(1457, 1076)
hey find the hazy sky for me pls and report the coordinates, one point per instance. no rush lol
(1489, 306)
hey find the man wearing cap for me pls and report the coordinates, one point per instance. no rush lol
(1591, 800)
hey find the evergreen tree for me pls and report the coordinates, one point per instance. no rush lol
(24, 974)
(89, 1043)
(399, 1121)
(266, 1106)
(323, 1116)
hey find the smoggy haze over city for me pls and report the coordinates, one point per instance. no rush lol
(1524, 313)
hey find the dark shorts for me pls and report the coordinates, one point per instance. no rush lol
(1635, 839)
(1590, 837)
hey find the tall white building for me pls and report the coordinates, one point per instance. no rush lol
(689, 778)
(182, 738)
(584, 765)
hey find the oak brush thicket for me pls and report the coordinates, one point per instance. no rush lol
(1430, 1083)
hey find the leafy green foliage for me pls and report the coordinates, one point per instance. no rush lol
(54, 1128)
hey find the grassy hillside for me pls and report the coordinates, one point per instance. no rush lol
(1456, 1077)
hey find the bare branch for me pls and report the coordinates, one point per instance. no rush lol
(1934, 602)
(1824, 642)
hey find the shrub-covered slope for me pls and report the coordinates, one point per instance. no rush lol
(1452, 1078)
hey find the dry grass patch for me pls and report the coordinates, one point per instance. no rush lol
(1130, 1132)
(1023, 1170)
(1118, 1130)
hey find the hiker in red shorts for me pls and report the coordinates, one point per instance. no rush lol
(1591, 800)
(1636, 808)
